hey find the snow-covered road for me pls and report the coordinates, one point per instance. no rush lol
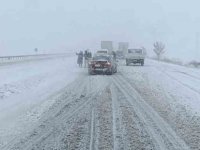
(152, 107)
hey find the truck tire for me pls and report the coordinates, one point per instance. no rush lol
(116, 70)
(127, 62)
(142, 63)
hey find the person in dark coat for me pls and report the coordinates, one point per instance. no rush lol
(86, 58)
(80, 58)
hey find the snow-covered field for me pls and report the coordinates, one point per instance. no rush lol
(56, 105)
(27, 89)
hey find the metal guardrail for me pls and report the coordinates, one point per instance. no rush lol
(10, 59)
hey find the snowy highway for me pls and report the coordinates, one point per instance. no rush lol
(53, 104)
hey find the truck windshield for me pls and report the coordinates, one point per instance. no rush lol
(102, 52)
(137, 51)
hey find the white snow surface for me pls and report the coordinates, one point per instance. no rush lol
(25, 86)
(156, 106)
(182, 83)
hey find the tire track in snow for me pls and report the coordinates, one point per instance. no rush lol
(117, 123)
(67, 108)
(131, 133)
(78, 135)
(104, 124)
(178, 81)
(188, 75)
(92, 131)
(164, 137)
(46, 131)
(182, 121)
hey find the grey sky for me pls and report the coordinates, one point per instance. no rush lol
(58, 25)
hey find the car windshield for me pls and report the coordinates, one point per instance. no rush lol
(98, 58)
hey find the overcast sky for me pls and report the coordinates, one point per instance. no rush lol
(58, 25)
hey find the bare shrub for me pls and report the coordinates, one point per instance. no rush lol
(159, 49)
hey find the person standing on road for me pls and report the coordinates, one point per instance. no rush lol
(90, 55)
(86, 58)
(80, 58)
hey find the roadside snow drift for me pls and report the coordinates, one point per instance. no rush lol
(26, 89)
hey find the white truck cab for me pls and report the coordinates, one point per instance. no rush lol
(135, 56)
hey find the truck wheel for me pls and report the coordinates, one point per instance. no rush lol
(142, 63)
(126, 62)
(116, 70)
